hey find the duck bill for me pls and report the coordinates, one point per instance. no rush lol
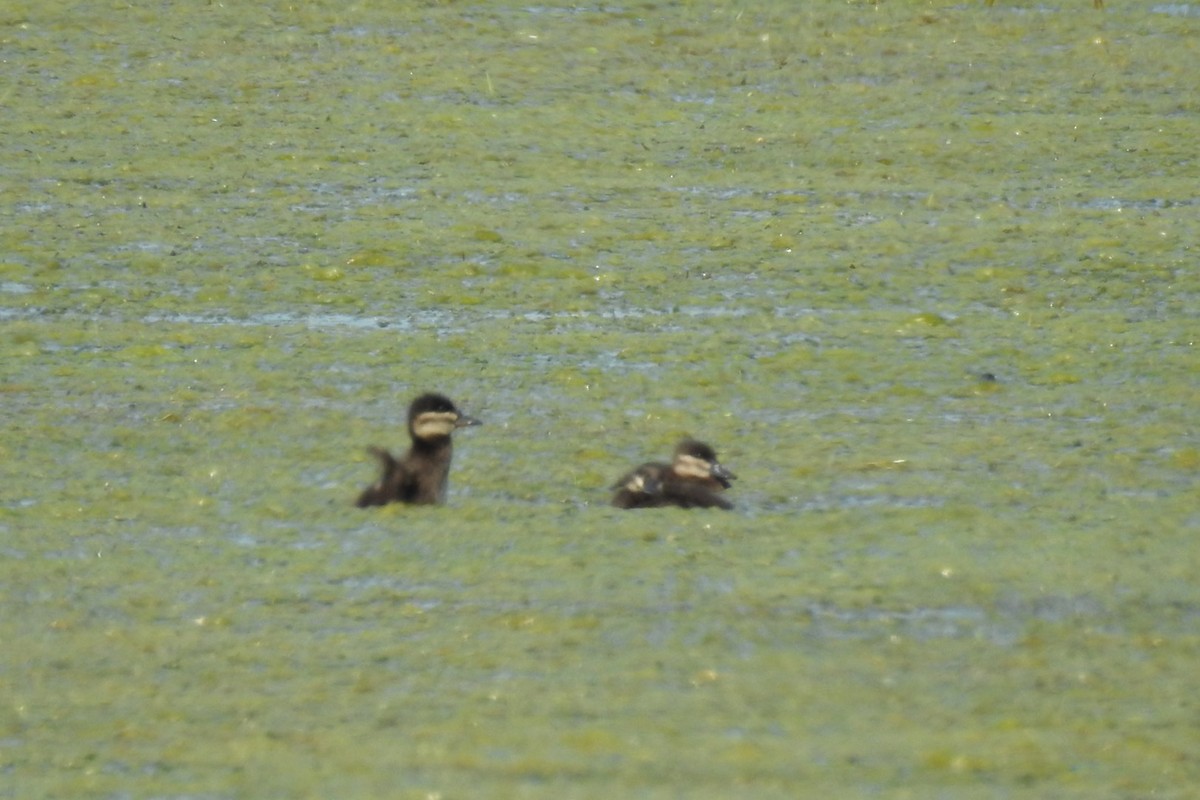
(722, 476)
(464, 421)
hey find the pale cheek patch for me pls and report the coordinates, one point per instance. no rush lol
(643, 484)
(432, 424)
(693, 467)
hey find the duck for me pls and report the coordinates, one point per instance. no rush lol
(641, 488)
(693, 479)
(422, 475)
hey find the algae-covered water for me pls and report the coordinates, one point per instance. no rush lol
(924, 273)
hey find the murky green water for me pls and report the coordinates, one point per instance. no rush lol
(235, 243)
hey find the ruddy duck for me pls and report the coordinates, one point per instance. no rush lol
(421, 476)
(693, 480)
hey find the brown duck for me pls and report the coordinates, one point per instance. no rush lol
(694, 479)
(421, 476)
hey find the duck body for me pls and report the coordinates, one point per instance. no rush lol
(422, 475)
(641, 488)
(694, 479)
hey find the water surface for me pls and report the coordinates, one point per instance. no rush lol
(924, 275)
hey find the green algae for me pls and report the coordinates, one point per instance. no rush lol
(923, 276)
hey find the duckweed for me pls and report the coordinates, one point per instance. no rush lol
(924, 276)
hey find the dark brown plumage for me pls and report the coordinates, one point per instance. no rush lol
(421, 476)
(694, 479)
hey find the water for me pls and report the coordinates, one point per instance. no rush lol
(233, 254)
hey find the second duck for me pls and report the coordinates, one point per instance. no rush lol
(694, 479)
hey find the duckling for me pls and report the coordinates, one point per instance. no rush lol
(420, 478)
(641, 488)
(693, 480)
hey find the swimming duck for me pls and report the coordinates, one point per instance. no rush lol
(420, 478)
(641, 488)
(694, 479)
